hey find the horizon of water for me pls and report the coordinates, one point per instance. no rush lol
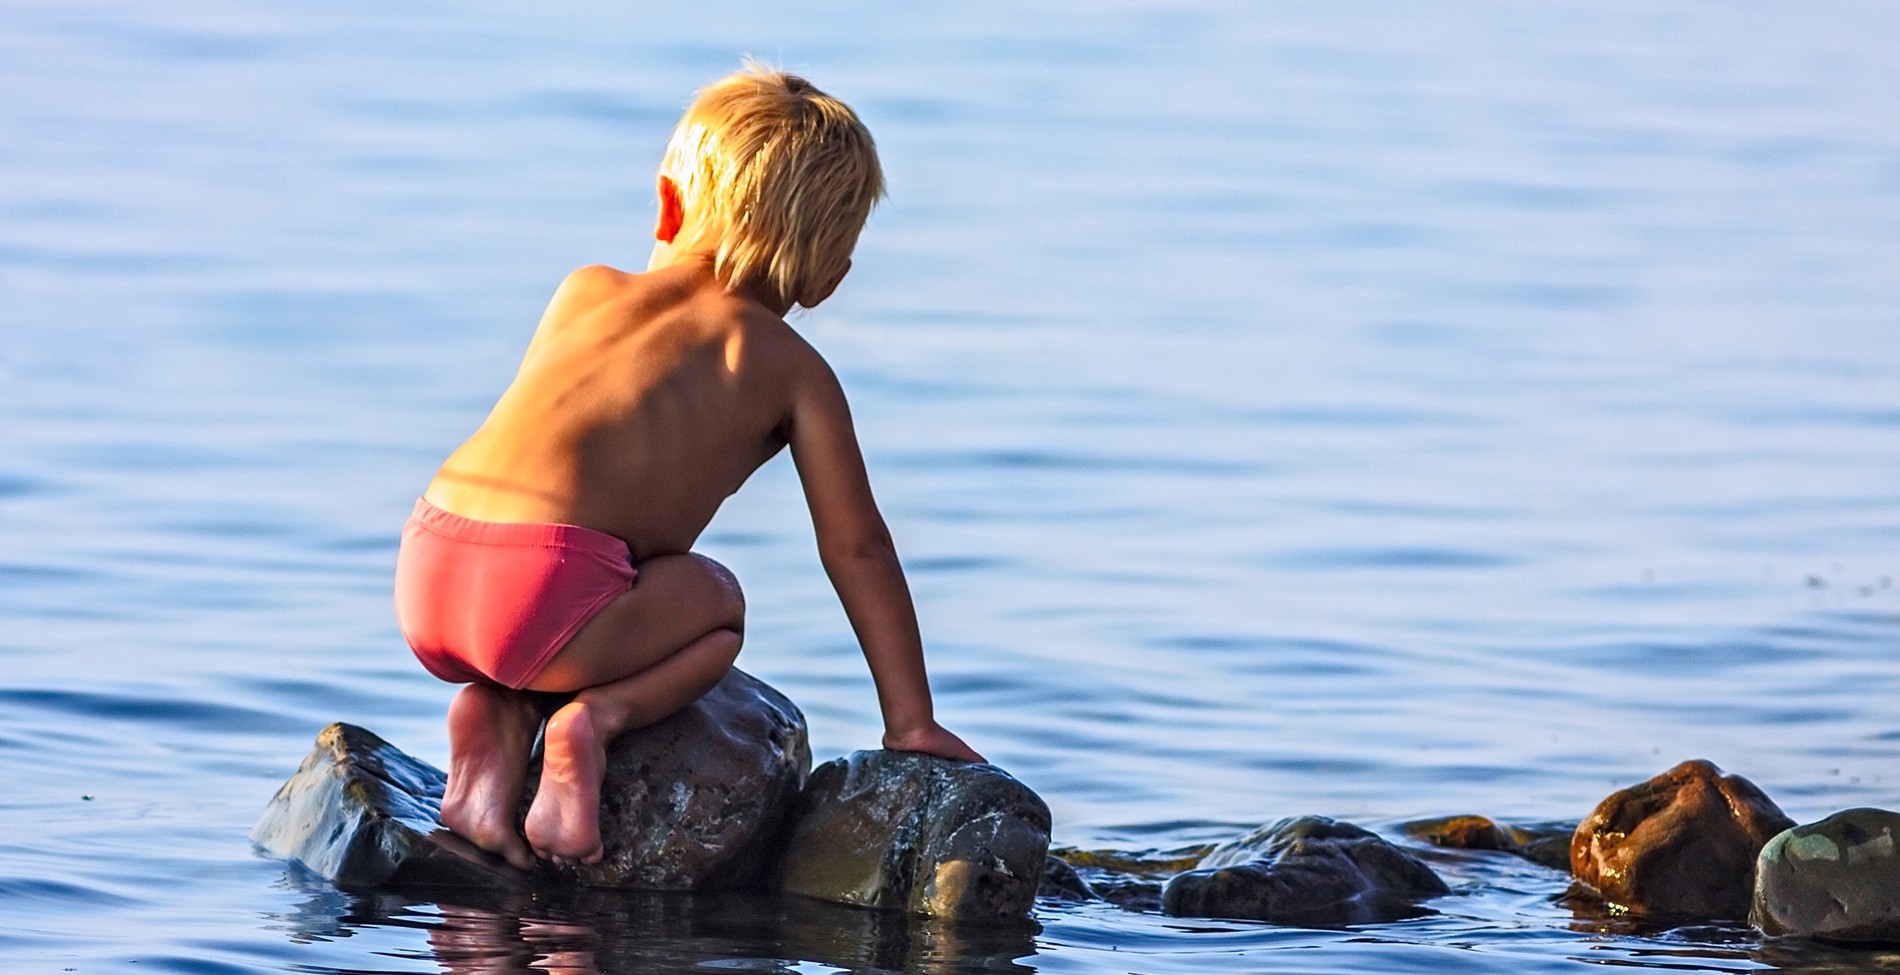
(1375, 411)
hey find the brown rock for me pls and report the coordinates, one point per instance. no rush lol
(700, 800)
(1682, 843)
(1463, 833)
(1547, 844)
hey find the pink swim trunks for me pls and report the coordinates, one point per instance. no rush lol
(491, 601)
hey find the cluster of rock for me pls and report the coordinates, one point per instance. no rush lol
(1690, 845)
(1693, 843)
(722, 796)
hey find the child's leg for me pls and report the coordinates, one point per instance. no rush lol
(491, 729)
(653, 650)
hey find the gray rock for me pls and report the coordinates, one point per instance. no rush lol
(1837, 879)
(910, 832)
(700, 800)
(1308, 871)
(363, 814)
(695, 802)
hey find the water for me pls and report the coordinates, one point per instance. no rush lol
(1370, 410)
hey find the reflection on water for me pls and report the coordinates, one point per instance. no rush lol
(1380, 411)
(591, 933)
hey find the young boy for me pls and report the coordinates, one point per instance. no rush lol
(553, 550)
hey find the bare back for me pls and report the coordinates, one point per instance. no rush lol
(643, 402)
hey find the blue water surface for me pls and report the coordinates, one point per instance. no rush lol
(1376, 410)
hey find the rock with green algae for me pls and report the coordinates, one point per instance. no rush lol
(1309, 871)
(695, 802)
(1837, 879)
(1683, 843)
(909, 832)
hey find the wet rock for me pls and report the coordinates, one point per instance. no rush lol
(1462, 833)
(1131, 879)
(700, 800)
(363, 814)
(1682, 843)
(694, 802)
(911, 832)
(1308, 871)
(1837, 879)
(1547, 844)
(1060, 882)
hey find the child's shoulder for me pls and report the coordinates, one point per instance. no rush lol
(592, 282)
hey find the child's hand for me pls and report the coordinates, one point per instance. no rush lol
(932, 739)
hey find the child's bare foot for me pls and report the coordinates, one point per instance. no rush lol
(490, 731)
(564, 822)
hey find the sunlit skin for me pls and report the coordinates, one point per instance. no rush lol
(643, 402)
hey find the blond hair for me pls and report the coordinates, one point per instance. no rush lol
(777, 178)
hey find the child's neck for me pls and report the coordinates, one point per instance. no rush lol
(666, 255)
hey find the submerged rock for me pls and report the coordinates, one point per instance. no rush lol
(1128, 879)
(1837, 879)
(694, 802)
(1060, 882)
(362, 813)
(1681, 843)
(1543, 843)
(1306, 871)
(700, 800)
(911, 832)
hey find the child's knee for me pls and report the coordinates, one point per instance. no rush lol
(731, 597)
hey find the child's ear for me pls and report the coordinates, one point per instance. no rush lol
(830, 286)
(672, 211)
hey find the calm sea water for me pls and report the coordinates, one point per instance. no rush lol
(1372, 410)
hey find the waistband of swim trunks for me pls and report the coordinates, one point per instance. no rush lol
(452, 525)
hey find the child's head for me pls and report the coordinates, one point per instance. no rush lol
(776, 178)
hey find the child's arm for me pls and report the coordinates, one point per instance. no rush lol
(856, 549)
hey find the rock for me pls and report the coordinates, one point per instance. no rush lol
(1130, 879)
(1837, 879)
(911, 832)
(1547, 844)
(694, 802)
(363, 814)
(700, 800)
(1060, 882)
(1462, 833)
(1682, 843)
(1308, 871)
